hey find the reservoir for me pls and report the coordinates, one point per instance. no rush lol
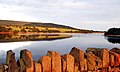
(63, 43)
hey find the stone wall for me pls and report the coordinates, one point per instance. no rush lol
(93, 60)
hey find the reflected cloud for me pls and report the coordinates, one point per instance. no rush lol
(4, 47)
(13, 45)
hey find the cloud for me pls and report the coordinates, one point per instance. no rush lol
(68, 12)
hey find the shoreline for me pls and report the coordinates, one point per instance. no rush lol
(112, 35)
(20, 33)
(37, 36)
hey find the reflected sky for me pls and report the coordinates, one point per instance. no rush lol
(13, 45)
(40, 48)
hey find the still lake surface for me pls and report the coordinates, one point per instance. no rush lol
(63, 45)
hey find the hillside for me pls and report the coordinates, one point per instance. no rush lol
(49, 25)
(9, 22)
(28, 27)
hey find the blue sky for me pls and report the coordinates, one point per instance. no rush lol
(84, 14)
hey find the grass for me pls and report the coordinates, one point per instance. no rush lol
(19, 28)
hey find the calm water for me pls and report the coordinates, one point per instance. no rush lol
(40, 48)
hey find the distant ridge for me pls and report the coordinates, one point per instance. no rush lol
(10, 22)
(25, 27)
(49, 25)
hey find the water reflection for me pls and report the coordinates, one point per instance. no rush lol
(114, 40)
(40, 48)
(31, 37)
(15, 42)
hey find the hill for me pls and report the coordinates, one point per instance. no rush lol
(49, 25)
(10, 22)
(25, 27)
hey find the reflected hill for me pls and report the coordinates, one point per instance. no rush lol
(114, 40)
(31, 37)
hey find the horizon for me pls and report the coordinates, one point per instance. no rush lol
(82, 14)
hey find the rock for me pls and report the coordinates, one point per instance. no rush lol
(98, 63)
(91, 64)
(93, 50)
(105, 57)
(2, 68)
(116, 53)
(113, 69)
(79, 57)
(5, 68)
(56, 61)
(22, 67)
(77, 68)
(109, 69)
(11, 62)
(98, 71)
(38, 67)
(26, 56)
(103, 54)
(116, 58)
(90, 71)
(69, 62)
(46, 63)
(85, 60)
(116, 70)
(64, 65)
(116, 50)
(112, 58)
(104, 70)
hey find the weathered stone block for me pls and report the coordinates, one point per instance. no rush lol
(11, 62)
(116, 50)
(69, 62)
(46, 63)
(105, 57)
(103, 54)
(79, 57)
(91, 64)
(76, 68)
(116, 58)
(26, 56)
(85, 60)
(38, 67)
(21, 65)
(56, 61)
(112, 58)
(2, 68)
(64, 65)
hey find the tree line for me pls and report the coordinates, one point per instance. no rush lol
(113, 31)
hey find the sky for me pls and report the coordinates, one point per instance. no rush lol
(83, 14)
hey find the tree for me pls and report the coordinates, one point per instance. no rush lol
(23, 30)
(9, 29)
(113, 31)
(3, 29)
